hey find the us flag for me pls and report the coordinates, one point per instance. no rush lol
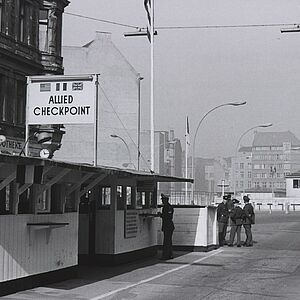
(147, 5)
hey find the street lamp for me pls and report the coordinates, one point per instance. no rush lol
(195, 135)
(139, 120)
(237, 148)
(129, 155)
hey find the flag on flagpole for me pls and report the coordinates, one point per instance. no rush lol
(147, 5)
(187, 132)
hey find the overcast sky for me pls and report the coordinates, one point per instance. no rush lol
(198, 69)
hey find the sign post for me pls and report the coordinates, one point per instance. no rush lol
(62, 99)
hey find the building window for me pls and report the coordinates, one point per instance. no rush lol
(256, 184)
(1, 15)
(241, 165)
(264, 184)
(43, 30)
(242, 174)
(249, 174)
(249, 185)
(22, 21)
(296, 183)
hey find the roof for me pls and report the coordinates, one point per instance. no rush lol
(13, 159)
(275, 139)
(245, 149)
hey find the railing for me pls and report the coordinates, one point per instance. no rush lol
(185, 198)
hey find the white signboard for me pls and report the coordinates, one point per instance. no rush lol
(61, 99)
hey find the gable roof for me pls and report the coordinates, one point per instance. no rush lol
(275, 139)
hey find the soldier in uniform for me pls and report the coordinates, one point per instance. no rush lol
(236, 216)
(222, 218)
(248, 221)
(167, 227)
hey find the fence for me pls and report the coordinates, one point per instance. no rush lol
(185, 198)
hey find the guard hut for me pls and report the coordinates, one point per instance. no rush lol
(40, 201)
(117, 221)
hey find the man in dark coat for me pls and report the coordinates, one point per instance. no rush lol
(167, 227)
(248, 221)
(222, 218)
(236, 216)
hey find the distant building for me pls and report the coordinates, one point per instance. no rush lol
(243, 170)
(274, 156)
(167, 157)
(118, 106)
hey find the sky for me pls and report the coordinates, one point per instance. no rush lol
(196, 70)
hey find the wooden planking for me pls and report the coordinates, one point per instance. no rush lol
(19, 257)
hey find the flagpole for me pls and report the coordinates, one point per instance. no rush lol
(186, 160)
(152, 84)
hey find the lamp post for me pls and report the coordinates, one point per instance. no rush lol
(129, 155)
(139, 121)
(237, 148)
(195, 135)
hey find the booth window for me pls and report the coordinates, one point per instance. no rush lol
(44, 201)
(140, 200)
(70, 204)
(105, 198)
(129, 203)
(120, 197)
(24, 206)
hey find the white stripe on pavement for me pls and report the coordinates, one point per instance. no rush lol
(154, 277)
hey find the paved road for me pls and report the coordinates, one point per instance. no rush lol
(269, 270)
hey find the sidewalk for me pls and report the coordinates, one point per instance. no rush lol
(269, 270)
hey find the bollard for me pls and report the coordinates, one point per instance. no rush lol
(270, 208)
(287, 208)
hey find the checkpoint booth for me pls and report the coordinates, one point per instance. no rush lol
(43, 235)
(117, 219)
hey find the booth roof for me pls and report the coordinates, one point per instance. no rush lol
(25, 160)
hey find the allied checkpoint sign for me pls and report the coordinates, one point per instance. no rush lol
(61, 99)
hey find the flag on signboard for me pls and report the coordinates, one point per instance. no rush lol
(147, 5)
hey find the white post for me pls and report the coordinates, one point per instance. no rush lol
(152, 84)
(26, 141)
(96, 121)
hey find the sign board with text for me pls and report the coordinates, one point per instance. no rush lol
(61, 99)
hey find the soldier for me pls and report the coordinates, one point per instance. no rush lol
(236, 216)
(222, 218)
(249, 219)
(167, 227)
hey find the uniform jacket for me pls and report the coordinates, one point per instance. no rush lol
(167, 218)
(248, 214)
(222, 213)
(237, 216)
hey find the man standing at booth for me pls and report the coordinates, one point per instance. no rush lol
(222, 218)
(249, 219)
(167, 227)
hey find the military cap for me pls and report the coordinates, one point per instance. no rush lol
(164, 196)
(235, 201)
(246, 199)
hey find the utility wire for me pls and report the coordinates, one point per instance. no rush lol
(183, 27)
(101, 20)
(225, 26)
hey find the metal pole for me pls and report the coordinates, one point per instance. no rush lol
(152, 85)
(96, 121)
(139, 121)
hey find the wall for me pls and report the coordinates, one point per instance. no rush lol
(25, 251)
(110, 238)
(194, 226)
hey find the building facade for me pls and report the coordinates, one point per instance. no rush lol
(117, 106)
(30, 44)
(242, 171)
